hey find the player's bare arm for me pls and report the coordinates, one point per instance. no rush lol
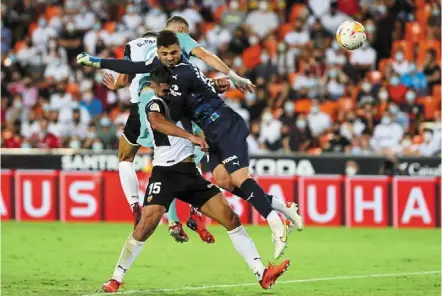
(162, 125)
(113, 84)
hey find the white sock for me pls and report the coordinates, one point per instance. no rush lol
(279, 205)
(247, 249)
(130, 251)
(275, 223)
(129, 181)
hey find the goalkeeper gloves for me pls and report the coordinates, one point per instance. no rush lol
(89, 61)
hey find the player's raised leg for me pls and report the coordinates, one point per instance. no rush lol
(288, 209)
(128, 177)
(150, 218)
(218, 209)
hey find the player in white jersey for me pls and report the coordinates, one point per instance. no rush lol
(175, 174)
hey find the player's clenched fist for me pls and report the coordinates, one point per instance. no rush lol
(89, 61)
(200, 142)
(221, 85)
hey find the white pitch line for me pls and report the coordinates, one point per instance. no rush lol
(335, 278)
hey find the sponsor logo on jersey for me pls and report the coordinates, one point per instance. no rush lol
(174, 90)
(227, 160)
(155, 107)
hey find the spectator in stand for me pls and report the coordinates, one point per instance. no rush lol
(434, 22)
(190, 13)
(337, 142)
(58, 69)
(364, 59)
(366, 94)
(10, 139)
(42, 34)
(239, 41)
(253, 139)
(6, 39)
(16, 111)
(106, 133)
(266, 68)
(77, 127)
(353, 126)
(432, 69)
(93, 37)
(92, 104)
(396, 89)
(54, 126)
(218, 37)
(408, 148)
(335, 81)
(398, 116)
(333, 18)
(85, 19)
(428, 147)
(270, 135)
(299, 37)
(387, 135)
(67, 112)
(132, 19)
(335, 55)
(155, 19)
(318, 121)
(42, 138)
(60, 97)
(400, 64)
(297, 138)
(233, 16)
(414, 110)
(306, 84)
(415, 79)
(263, 20)
(71, 39)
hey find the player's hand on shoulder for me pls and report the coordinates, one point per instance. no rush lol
(108, 80)
(221, 85)
(87, 60)
(199, 142)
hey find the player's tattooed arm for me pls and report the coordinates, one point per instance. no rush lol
(162, 125)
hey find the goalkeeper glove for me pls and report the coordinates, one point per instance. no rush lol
(89, 61)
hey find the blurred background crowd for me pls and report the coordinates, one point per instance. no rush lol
(312, 96)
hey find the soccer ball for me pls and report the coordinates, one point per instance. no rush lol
(351, 35)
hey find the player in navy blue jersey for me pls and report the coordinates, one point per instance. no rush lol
(226, 132)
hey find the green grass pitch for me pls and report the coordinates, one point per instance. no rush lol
(75, 259)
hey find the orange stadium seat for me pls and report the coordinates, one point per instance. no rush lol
(292, 78)
(295, 11)
(218, 13)
(110, 26)
(206, 27)
(119, 52)
(52, 11)
(346, 104)
(406, 46)
(234, 94)
(19, 45)
(73, 88)
(383, 63)
(430, 106)
(330, 108)
(426, 45)
(284, 29)
(419, 3)
(414, 32)
(354, 92)
(374, 76)
(271, 45)
(303, 106)
(436, 91)
(32, 28)
(422, 15)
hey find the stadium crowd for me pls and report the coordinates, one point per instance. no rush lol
(312, 96)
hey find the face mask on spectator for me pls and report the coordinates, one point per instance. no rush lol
(382, 9)
(105, 122)
(356, 150)
(411, 67)
(289, 107)
(263, 5)
(383, 95)
(393, 109)
(370, 28)
(427, 136)
(332, 73)
(98, 77)
(410, 96)
(301, 124)
(237, 62)
(46, 107)
(282, 47)
(253, 40)
(399, 56)
(26, 145)
(386, 120)
(350, 171)
(52, 44)
(250, 97)
(131, 9)
(406, 143)
(264, 58)
(394, 81)
(314, 109)
(42, 22)
(70, 27)
(74, 144)
(335, 45)
(97, 146)
(17, 104)
(97, 26)
(87, 97)
(234, 5)
(91, 135)
(267, 117)
(366, 86)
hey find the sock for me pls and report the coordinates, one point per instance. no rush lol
(238, 192)
(130, 251)
(275, 223)
(171, 214)
(256, 196)
(129, 181)
(247, 249)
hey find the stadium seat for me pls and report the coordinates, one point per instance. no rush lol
(383, 63)
(330, 108)
(251, 56)
(354, 92)
(110, 26)
(422, 15)
(73, 88)
(303, 106)
(271, 44)
(346, 104)
(284, 29)
(234, 94)
(374, 76)
(314, 151)
(52, 11)
(430, 106)
(119, 51)
(426, 45)
(419, 3)
(206, 27)
(32, 28)
(292, 78)
(295, 11)
(414, 32)
(19, 45)
(218, 13)
(436, 92)
(406, 46)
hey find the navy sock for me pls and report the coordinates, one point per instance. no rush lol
(256, 197)
(238, 192)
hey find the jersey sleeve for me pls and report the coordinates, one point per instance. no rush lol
(196, 128)
(187, 43)
(155, 106)
(127, 52)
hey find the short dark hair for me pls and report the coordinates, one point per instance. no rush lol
(177, 20)
(167, 38)
(149, 33)
(160, 75)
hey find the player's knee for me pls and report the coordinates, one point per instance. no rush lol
(122, 156)
(233, 221)
(224, 182)
(148, 224)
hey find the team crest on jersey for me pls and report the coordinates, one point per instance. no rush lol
(155, 107)
(149, 198)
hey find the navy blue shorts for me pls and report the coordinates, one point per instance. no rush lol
(227, 140)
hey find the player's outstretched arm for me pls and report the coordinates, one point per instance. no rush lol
(212, 60)
(162, 125)
(120, 66)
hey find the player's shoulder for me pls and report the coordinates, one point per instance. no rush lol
(156, 104)
(141, 40)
